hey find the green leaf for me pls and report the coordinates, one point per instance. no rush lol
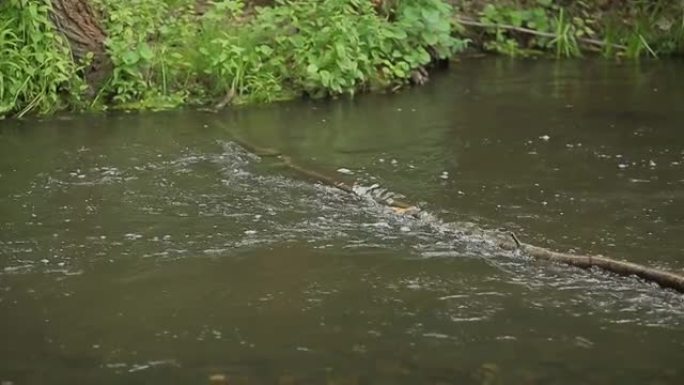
(130, 57)
(312, 69)
(490, 12)
(266, 50)
(430, 38)
(145, 52)
(339, 49)
(325, 78)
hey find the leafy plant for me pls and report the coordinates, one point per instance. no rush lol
(633, 27)
(239, 55)
(36, 69)
(146, 43)
(504, 19)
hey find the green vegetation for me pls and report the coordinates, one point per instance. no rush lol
(630, 28)
(168, 53)
(165, 54)
(36, 69)
(271, 53)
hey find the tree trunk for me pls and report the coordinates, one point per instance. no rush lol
(79, 24)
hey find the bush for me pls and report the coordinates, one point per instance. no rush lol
(164, 54)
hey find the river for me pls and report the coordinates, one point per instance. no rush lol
(150, 248)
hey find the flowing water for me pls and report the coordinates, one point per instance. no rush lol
(152, 249)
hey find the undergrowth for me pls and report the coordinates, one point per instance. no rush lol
(629, 28)
(36, 69)
(165, 55)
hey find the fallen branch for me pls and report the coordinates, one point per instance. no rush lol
(512, 243)
(663, 278)
(396, 204)
(529, 31)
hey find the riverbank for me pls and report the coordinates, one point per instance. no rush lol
(157, 54)
(622, 29)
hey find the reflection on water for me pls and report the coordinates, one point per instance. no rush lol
(149, 248)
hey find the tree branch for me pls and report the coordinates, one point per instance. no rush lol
(529, 31)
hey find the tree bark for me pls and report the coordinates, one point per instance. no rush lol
(79, 23)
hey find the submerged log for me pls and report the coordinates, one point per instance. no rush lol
(663, 278)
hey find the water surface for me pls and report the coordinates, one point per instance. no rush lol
(150, 248)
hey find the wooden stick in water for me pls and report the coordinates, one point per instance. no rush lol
(663, 278)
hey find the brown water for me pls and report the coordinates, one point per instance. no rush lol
(150, 249)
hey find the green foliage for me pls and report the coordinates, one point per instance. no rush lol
(657, 30)
(557, 32)
(503, 40)
(146, 43)
(163, 55)
(633, 28)
(428, 24)
(36, 68)
(565, 40)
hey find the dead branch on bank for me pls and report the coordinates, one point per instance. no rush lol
(529, 31)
